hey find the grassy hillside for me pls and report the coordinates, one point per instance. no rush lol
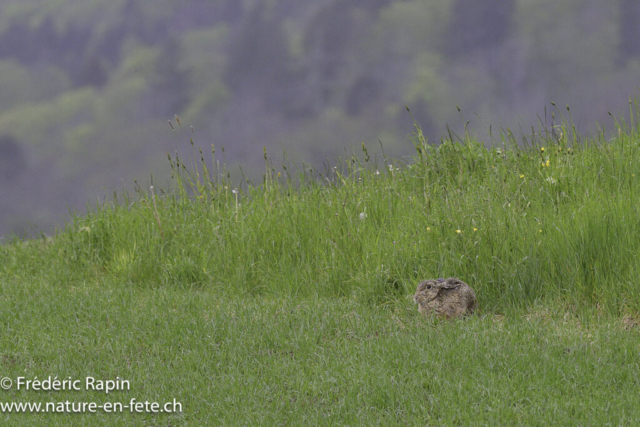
(555, 219)
(289, 301)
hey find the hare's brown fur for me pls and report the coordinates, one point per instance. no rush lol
(445, 298)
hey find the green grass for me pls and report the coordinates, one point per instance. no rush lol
(289, 302)
(265, 360)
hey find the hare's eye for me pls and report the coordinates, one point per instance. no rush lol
(428, 286)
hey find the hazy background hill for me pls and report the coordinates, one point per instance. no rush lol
(87, 86)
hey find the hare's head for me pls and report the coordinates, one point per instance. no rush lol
(428, 290)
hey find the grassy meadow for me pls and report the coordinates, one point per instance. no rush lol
(288, 301)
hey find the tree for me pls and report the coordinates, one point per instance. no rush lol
(93, 72)
(258, 54)
(231, 11)
(362, 93)
(170, 85)
(13, 160)
(259, 65)
(630, 28)
(479, 24)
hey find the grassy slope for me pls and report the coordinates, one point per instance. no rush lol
(289, 301)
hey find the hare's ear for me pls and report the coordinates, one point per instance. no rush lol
(451, 285)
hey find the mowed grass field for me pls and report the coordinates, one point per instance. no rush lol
(288, 302)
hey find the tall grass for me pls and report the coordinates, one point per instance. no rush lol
(549, 216)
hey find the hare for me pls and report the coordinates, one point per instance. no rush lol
(445, 298)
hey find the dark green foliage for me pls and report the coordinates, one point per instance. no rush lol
(362, 94)
(169, 89)
(258, 56)
(629, 29)
(13, 159)
(93, 73)
(305, 77)
(44, 43)
(479, 24)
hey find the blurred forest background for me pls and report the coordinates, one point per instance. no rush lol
(87, 86)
